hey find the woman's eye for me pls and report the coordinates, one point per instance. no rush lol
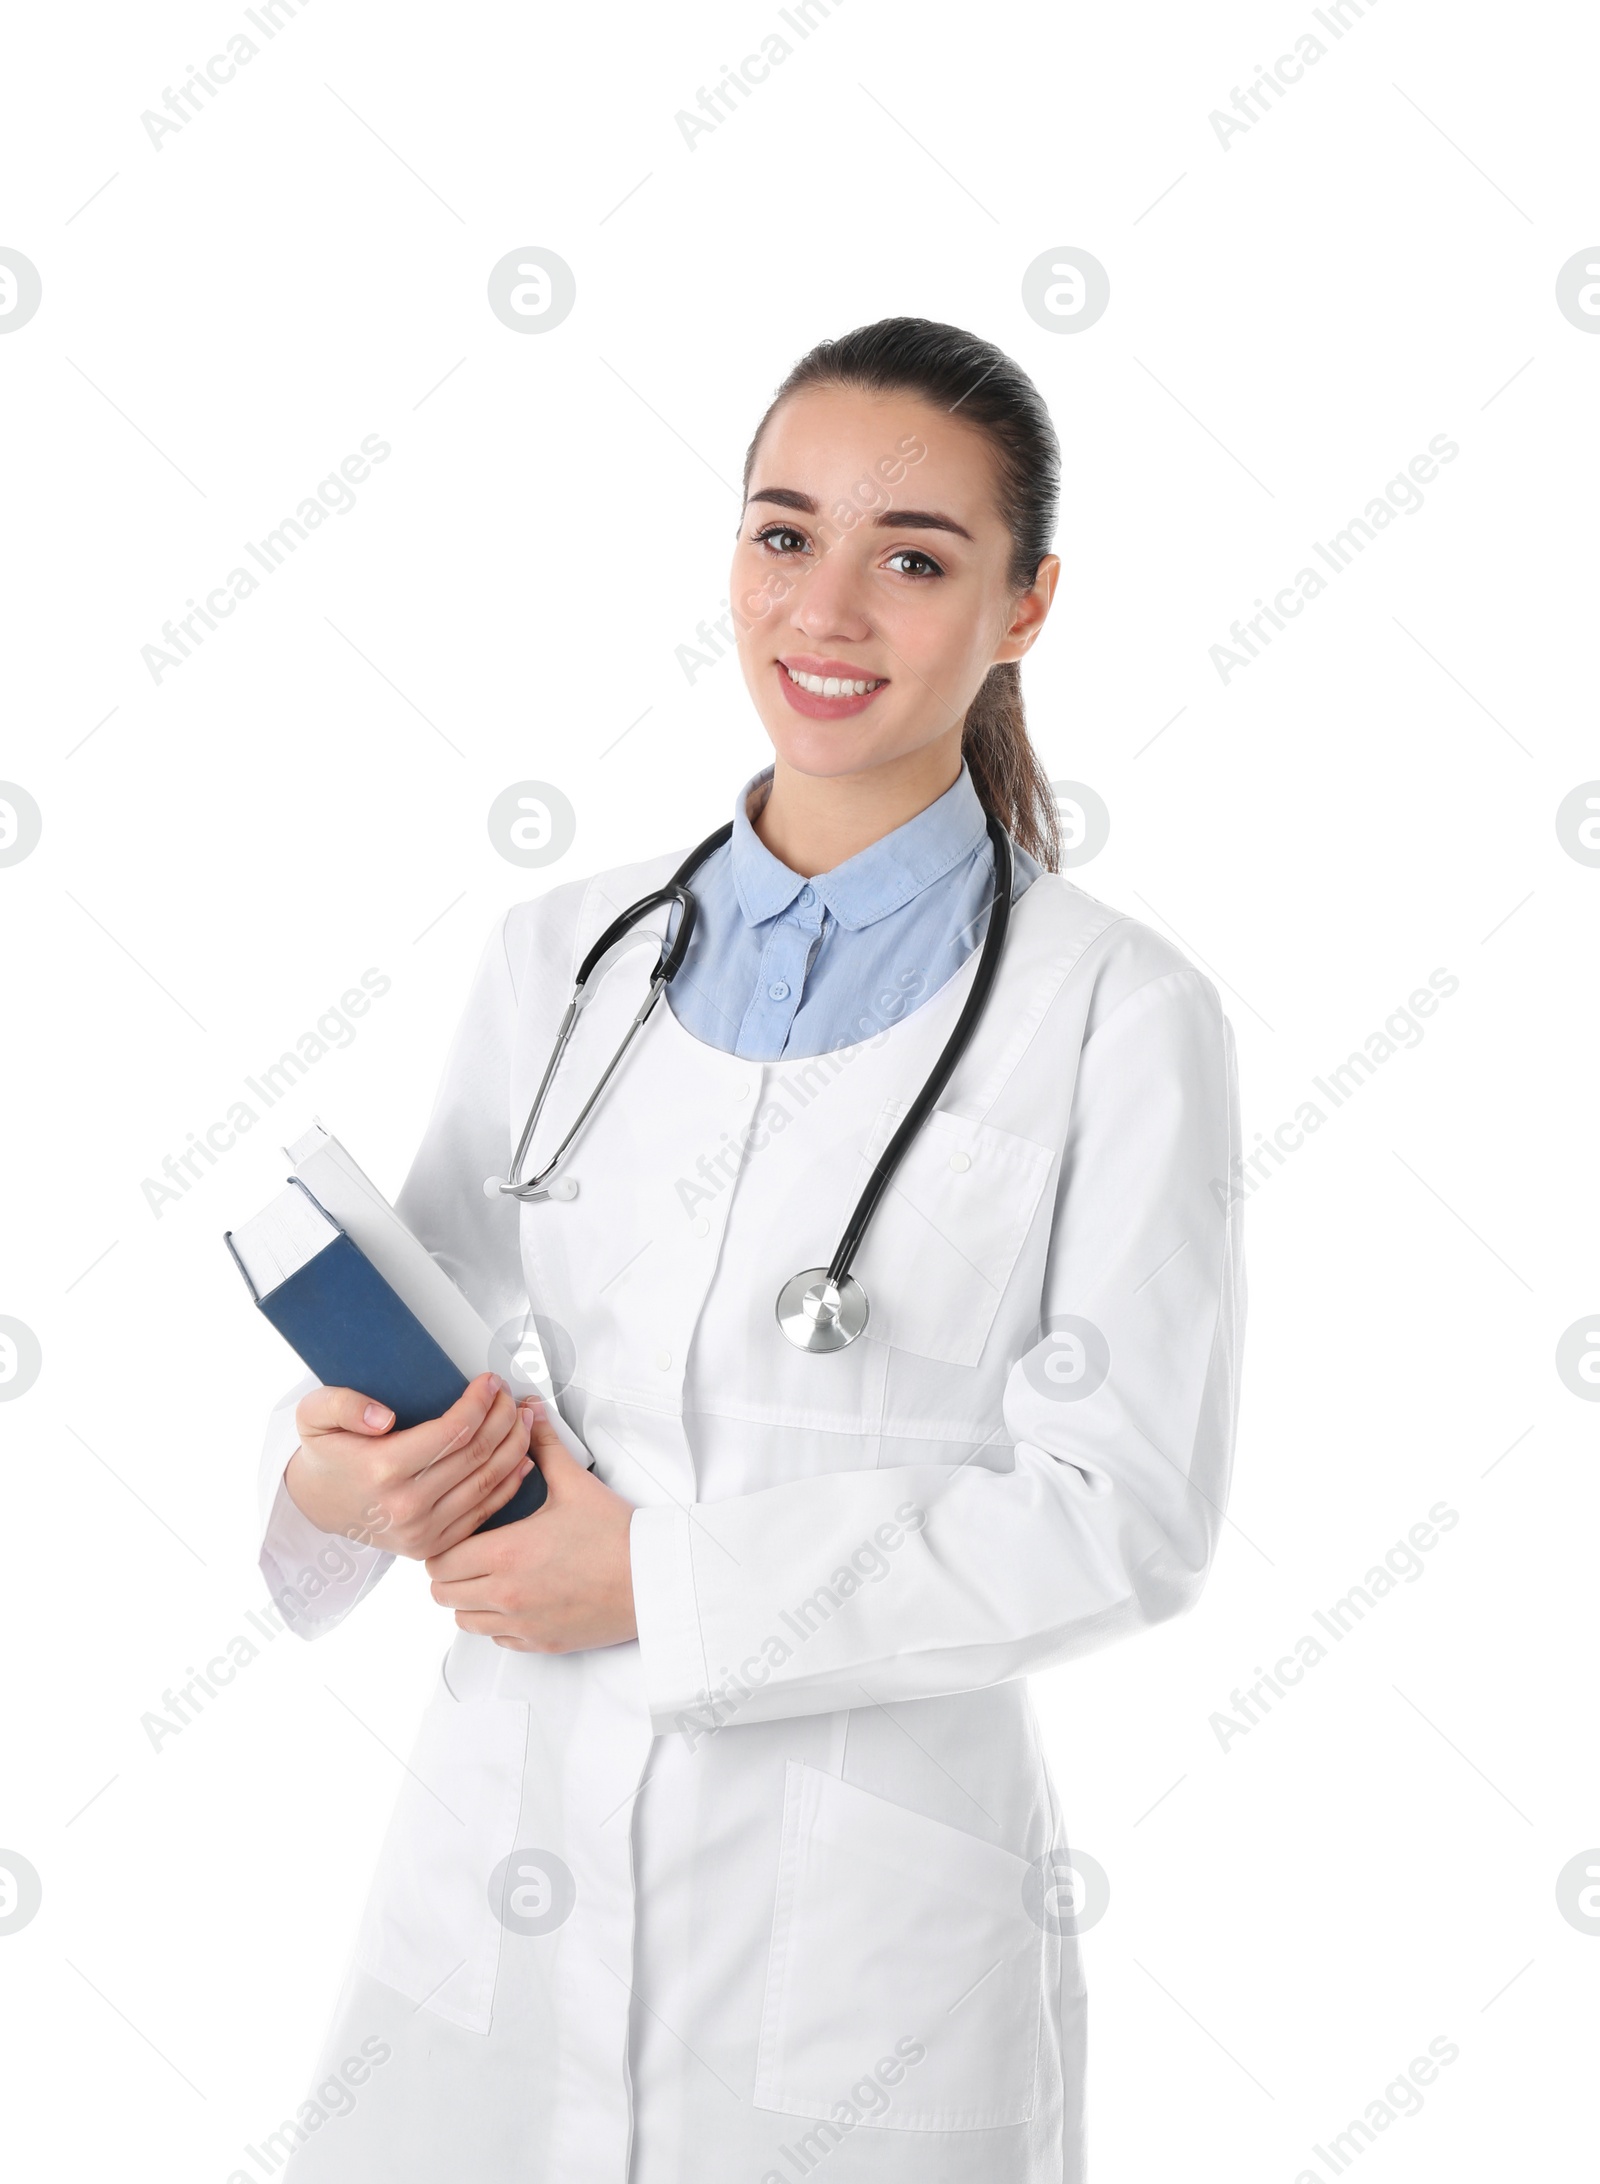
(780, 531)
(929, 566)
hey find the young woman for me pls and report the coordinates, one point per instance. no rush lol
(728, 1849)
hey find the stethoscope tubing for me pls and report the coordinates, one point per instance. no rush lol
(677, 890)
(939, 1076)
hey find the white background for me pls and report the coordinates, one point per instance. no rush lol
(1292, 318)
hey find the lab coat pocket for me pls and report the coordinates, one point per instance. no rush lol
(947, 1233)
(905, 1981)
(429, 1929)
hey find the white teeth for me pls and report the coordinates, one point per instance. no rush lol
(833, 686)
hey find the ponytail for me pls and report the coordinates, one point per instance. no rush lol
(1005, 767)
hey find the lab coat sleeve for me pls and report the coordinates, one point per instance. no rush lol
(316, 1577)
(912, 1581)
(469, 1136)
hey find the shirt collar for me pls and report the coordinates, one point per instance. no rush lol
(884, 876)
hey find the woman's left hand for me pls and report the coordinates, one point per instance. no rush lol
(560, 1581)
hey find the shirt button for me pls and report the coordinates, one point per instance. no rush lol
(806, 897)
(779, 989)
(961, 1162)
(664, 1360)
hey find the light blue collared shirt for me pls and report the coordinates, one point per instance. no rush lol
(780, 965)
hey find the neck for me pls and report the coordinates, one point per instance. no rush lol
(812, 822)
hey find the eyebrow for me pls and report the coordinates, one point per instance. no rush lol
(892, 519)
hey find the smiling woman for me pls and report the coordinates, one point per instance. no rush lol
(942, 593)
(727, 1837)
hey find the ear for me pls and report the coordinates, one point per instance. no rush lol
(1032, 606)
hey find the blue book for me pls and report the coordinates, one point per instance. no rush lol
(340, 1316)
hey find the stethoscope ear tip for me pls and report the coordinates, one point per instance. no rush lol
(492, 1186)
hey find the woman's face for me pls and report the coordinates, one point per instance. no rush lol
(871, 550)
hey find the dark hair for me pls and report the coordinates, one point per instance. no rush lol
(959, 371)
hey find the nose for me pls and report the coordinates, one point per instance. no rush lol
(829, 603)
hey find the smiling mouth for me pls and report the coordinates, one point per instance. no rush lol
(834, 686)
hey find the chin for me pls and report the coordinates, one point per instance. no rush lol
(825, 749)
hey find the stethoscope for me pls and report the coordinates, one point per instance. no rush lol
(822, 1308)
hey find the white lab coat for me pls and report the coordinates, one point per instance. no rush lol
(783, 1875)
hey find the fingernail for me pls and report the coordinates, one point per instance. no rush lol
(376, 1415)
(496, 1384)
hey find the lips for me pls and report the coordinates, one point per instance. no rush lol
(826, 689)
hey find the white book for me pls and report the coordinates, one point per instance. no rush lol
(283, 1237)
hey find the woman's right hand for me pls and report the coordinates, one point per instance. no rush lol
(413, 1493)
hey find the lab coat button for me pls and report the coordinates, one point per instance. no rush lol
(961, 1162)
(664, 1360)
(702, 1226)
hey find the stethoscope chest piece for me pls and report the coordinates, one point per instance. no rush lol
(819, 1315)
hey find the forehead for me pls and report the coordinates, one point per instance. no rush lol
(825, 440)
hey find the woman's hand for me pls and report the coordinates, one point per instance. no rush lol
(558, 1582)
(414, 1493)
